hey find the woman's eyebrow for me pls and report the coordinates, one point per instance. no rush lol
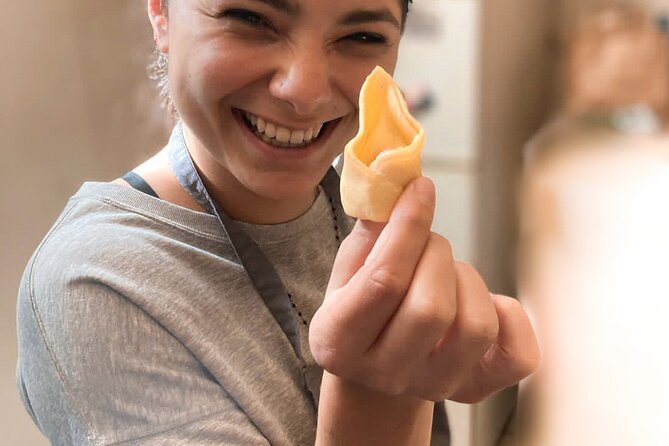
(282, 5)
(365, 16)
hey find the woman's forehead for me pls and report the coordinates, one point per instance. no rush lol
(402, 4)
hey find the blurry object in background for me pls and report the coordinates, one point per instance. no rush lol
(662, 21)
(617, 58)
(595, 236)
(424, 25)
(420, 98)
(596, 240)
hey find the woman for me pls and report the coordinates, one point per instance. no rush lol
(190, 316)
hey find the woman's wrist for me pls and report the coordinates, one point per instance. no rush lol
(352, 414)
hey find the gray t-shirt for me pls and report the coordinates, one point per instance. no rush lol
(137, 325)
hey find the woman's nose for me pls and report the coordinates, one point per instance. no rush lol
(303, 80)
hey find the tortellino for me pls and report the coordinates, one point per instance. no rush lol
(385, 154)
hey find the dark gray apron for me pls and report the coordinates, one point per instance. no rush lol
(260, 270)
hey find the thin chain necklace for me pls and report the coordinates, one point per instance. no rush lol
(335, 223)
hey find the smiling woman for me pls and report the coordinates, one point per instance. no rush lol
(198, 299)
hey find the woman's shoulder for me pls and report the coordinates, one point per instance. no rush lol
(125, 207)
(110, 237)
(106, 222)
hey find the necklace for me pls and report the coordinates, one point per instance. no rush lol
(335, 224)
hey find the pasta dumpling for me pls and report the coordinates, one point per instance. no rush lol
(385, 154)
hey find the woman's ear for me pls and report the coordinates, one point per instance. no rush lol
(158, 16)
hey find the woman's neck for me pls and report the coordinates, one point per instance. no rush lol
(237, 200)
(245, 206)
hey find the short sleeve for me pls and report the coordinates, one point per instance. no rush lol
(94, 368)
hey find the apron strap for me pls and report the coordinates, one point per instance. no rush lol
(260, 270)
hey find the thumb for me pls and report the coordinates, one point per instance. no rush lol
(405, 233)
(354, 251)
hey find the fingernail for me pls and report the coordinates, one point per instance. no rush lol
(423, 188)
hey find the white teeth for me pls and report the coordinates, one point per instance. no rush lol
(297, 137)
(261, 125)
(281, 136)
(270, 130)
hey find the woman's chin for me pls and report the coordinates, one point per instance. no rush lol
(279, 185)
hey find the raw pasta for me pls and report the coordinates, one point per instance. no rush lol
(385, 154)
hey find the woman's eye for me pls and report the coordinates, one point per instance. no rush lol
(246, 17)
(367, 38)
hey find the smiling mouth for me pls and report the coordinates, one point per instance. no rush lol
(279, 136)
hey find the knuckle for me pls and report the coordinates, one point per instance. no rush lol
(417, 217)
(467, 271)
(480, 329)
(510, 305)
(327, 357)
(432, 311)
(325, 345)
(528, 363)
(529, 366)
(384, 283)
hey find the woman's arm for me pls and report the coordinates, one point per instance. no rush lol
(351, 414)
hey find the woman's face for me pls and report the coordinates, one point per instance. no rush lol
(295, 65)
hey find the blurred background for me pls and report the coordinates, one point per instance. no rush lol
(77, 105)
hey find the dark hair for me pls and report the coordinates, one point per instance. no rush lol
(405, 11)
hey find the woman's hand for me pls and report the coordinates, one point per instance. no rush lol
(403, 318)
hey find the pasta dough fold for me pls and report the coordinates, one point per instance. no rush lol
(385, 154)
